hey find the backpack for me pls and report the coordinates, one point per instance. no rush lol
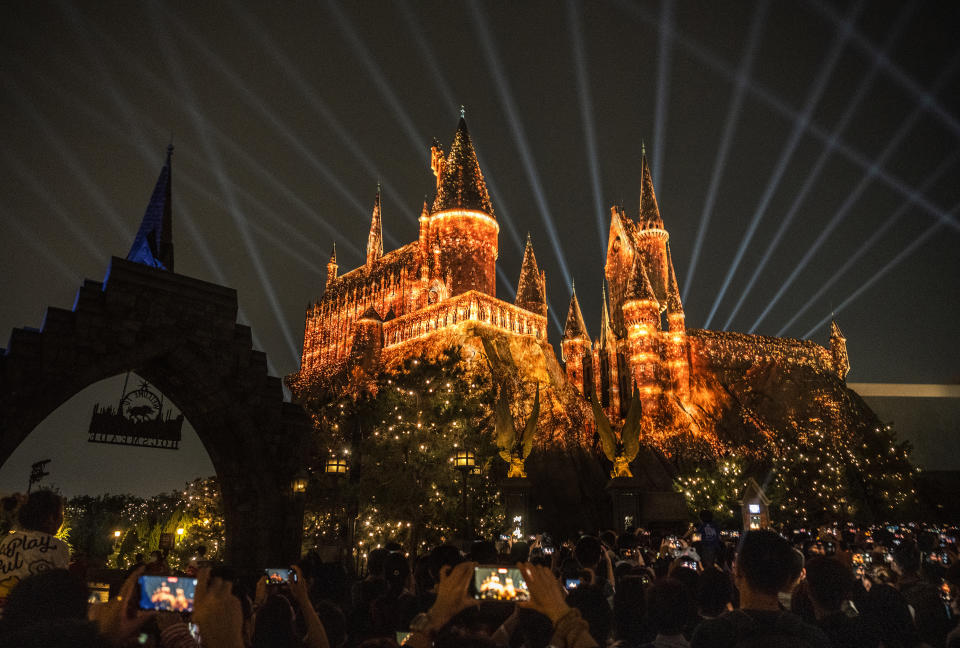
(785, 631)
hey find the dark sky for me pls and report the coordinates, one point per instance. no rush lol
(805, 156)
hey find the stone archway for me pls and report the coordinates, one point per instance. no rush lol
(180, 334)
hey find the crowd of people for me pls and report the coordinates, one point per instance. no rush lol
(892, 586)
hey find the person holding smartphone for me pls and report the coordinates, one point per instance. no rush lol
(546, 596)
(274, 625)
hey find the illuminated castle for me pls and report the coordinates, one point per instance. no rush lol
(643, 336)
(426, 293)
(444, 278)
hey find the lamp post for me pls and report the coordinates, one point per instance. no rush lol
(465, 461)
(299, 484)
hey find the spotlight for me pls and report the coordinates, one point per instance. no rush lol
(729, 127)
(813, 98)
(854, 195)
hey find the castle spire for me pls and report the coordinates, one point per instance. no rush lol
(838, 349)
(674, 305)
(153, 244)
(531, 289)
(639, 288)
(332, 265)
(575, 326)
(460, 183)
(375, 239)
(606, 331)
(649, 210)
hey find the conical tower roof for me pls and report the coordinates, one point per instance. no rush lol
(835, 331)
(375, 238)
(153, 244)
(575, 326)
(333, 255)
(649, 210)
(639, 287)
(674, 305)
(461, 184)
(530, 287)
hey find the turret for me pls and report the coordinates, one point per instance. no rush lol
(651, 237)
(532, 287)
(608, 370)
(367, 340)
(332, 266)
(641, 314)
(462, 217)
(575, 348)
(375, 238)
(838, 349)
(676, 340)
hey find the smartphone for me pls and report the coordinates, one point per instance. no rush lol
(547, 551)
(695, 537)
(571, 583)
(167, 593)
(945, 592)
(279, 575)
(689, 564)
(492, 582)
(402, 638)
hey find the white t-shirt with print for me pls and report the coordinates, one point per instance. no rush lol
(25, 553)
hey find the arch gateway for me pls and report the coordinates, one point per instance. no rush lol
(180, 334)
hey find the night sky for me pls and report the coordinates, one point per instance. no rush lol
(805, 157)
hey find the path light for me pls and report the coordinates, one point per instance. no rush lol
(300, 482)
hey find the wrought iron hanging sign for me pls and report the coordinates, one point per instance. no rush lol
(138, 420)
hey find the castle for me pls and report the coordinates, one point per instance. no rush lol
(397, 301)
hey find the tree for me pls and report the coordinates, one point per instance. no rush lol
(400, 435)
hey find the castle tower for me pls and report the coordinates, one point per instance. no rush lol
(532, 287)
(332, 266)
(838, 349)
(641, 314)
(651, 237)
(375, 238)
(676, 340)
(575, 348)
(153, 244)
(462, 217)
(608, 363)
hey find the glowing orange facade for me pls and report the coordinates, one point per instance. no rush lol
(444, 278)
(644, 339)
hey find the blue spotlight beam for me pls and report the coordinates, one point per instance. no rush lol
(66, 154)
(139, 120)
(379, 79)
(813, 98)
(729, 128)
(519, 136)
(664, 55)
(854, 195)
(43, 193)
(586, 116)
(877, 234)
(711, 60)
(159, 84)
(291, 71)
(430, 59)
(865, 83)
(264, 110)
(896, 72)
(894, 262)
(172, 58)
(39, 246)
